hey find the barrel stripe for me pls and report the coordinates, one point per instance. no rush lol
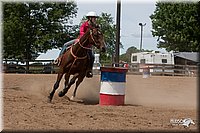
(114, 69)
(113, 88)
(106, 99)
(113, 77)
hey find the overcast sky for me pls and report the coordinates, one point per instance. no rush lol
(133, 12)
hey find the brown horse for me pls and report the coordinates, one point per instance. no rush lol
(75, 61)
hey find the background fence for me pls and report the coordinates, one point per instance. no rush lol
(36, 66)
(47, 67)
(164, 69)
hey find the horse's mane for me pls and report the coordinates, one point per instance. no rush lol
(84, 37)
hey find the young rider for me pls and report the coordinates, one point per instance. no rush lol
(90, 22)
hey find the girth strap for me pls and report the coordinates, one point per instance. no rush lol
(75, 58)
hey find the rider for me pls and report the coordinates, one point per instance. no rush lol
(91, 21)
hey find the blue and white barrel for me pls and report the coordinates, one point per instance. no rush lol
(113, 81)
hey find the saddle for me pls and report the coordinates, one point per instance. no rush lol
(59, 59)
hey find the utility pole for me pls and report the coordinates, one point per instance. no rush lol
(117, 33)
(142, 25)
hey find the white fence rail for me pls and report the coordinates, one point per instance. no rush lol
(46, 66)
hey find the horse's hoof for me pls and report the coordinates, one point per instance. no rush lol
(49, 99)
(72, 98)
(61, 94)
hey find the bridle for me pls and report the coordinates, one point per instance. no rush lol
(91, 35)
(81, 45)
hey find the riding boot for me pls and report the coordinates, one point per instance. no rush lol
(89, 73)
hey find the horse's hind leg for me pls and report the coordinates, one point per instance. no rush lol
(55, 87)
(67, 85)
(80, 79)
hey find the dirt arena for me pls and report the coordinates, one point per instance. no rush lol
(150, 105)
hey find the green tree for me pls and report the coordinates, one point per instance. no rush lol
(109, 30)
(30, 28)
(126, 56)
(176, 26)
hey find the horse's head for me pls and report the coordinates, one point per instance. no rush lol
(97, 39)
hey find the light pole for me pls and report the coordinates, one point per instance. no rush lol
(142, 25)
(118, 32)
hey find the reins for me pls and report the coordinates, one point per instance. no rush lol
(81, 58)
(93, 38)
(83, 47)
(86, 39)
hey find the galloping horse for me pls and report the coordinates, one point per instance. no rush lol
(75, 61)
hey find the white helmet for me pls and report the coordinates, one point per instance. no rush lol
(91, 14)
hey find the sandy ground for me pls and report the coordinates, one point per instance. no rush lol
(151, 104)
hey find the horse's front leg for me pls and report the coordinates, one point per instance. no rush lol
(55, 87)
(80, 79)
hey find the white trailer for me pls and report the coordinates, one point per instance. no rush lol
(153, 58)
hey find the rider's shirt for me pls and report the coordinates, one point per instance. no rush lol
(83, 29)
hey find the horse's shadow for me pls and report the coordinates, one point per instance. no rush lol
(89, 102)
(81, 101)
(85, 101)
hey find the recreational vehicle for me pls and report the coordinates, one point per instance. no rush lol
(153, 58)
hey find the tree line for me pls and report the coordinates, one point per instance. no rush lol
(33, 28)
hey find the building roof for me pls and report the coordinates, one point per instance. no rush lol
(193, 56)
